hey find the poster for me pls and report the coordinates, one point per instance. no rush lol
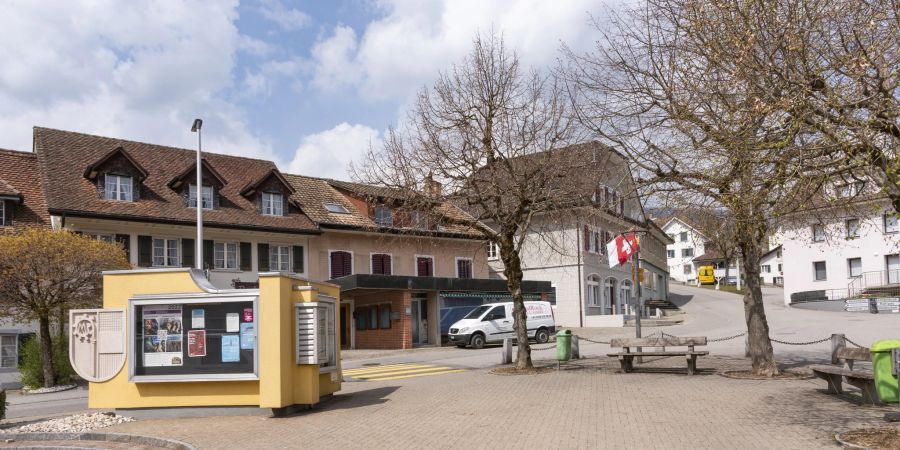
(248, 314)
(231, 351)
(198, 319)
(231, 323)
(162, 336)
(248, 336)
(196, 343)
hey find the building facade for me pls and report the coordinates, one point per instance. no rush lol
(771, 267)
(687, 244)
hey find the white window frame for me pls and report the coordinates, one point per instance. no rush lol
(15, 355)
(371, 266)
(690, 269)
(765, 268)
(672, 255)
(166, 240)
(815, 236)
(390, 216)
(109, 238)
(352, 261)
(815, 273)
(683, 236)
(419, 220)
(850, 267)
(341, 209)
(594, 291)
(416, 264)
(456, 265)
(237, 255)
(684, 250)
(269, 206)
(885, 218)
(848, 229)
(192, 196)
(118, 193)
(493, 251)
(290, 256)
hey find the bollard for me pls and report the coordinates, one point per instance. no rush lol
(576, 352)
(506, 355)
(838, 341)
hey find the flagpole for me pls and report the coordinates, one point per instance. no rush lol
(636, 263)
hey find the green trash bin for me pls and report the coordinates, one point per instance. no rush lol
(885, 382)
(564, 345)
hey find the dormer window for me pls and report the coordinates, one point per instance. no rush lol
(118, 187)
(272, 204)
(336, 208)
(207, 196)
(383, 216)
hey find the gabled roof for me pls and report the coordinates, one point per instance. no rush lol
(189, 174)
(20, 175)
(684, 221)
(770, 252)
(710, 255)
(8, 191)
(90, 172)
(250, 189)
(63, 155)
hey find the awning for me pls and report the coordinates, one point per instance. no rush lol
(400, 282)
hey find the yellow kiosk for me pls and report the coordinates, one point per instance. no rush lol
(167, 338)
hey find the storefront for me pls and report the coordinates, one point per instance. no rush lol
(394, 312)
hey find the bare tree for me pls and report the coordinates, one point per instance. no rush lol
(486, 137)
(718, 228)
(668, 86)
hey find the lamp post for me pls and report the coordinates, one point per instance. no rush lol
(198, 258)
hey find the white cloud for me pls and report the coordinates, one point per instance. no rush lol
(403, 50)
(329, 153)
(289, 19)
(142, 72)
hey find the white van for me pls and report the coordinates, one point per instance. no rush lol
(493, 322)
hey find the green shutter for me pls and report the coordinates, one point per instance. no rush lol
(298, 259)
(208, 254)
(187, 253)
(246, 257)
(263, 260)
(145, 251)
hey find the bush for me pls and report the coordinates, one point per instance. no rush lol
(2, 404)
(32, 373)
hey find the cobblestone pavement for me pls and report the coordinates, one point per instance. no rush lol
(588, 404)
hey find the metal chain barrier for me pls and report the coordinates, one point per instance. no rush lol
(592, 341)
(535, 348)
(819, 341)
(728, 338)
(854, 343)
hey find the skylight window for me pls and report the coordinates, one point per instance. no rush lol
(336, 208)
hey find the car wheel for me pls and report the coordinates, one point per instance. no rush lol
(542, 336)
(477, 341)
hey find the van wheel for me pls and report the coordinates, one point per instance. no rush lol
(542, 336)
(477, 341)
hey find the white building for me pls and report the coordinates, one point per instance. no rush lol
(771, 267)
(688, 244)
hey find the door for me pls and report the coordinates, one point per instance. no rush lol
(893, 268)
(345, 325)
(499, 323)
(419, 312)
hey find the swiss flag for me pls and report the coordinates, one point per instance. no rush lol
(621, 248)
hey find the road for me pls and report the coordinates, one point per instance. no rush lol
(23, 407)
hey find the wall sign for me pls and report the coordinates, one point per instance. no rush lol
(97, 342)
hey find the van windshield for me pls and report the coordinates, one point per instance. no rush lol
(477, 312)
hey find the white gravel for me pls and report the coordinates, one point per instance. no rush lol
(71, 424)
(47, 390)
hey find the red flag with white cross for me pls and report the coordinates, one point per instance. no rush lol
(621, 248)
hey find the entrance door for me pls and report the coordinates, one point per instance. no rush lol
(419, 310)
(345, 325)
(893, 268)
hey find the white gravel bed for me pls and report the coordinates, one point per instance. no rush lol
(71, 424)
(47, 390)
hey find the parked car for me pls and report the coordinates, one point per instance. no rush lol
(493, 322)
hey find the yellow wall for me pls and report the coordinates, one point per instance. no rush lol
(283, 381)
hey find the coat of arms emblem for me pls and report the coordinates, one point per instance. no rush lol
(97, 342)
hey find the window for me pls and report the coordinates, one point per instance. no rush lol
(852, 228)
(207, 196)
(381, 264)
(326, 338)
(272, 204)
(335, 208)
(463, 268)
(850, 189)
(118, 187)
(383, 216)
(594, 240)
(424, 266)
(279, 258)
(670, 253)
(779, 267)
(165, 253)
(766, 268)
(854, 267)
(499, 312)
(890, 223)
(373, 318)
(593, 291)
(686, 252)
(361, 315)
(9, 350)
(818, 232)
(2, 213)
(384, 317)
(687, 269)
(419, 221)
(493, 251)
(108, 238)
(225, 255)
(683, 236)
(341, 264)
(820, 272)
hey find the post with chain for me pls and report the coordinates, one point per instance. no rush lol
(838, 341)
(576, 353)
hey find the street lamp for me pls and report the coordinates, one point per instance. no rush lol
(198, 258)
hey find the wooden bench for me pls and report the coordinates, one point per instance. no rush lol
(626, 356)
(862, 379)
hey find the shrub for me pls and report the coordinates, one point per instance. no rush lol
(2, 404)
(32, 373)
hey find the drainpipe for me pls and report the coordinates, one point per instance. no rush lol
(580, 296)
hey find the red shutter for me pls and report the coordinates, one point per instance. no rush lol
(377, 266)
(386, 264)
(341, 264)
(587, 239)
(348, 263)
(335, 265)
(424, 267)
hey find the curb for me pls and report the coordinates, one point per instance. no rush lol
(837, 437)
(98, 437)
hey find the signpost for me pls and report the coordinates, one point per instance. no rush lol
(873, 305)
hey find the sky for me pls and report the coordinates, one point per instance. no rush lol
(307, 84)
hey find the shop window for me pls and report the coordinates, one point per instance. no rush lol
(361, 315)
(384, 317)
(9, 351)
(373, 318)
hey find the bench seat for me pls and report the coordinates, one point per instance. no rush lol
(862, 379)
(626, 357)
(698, 353)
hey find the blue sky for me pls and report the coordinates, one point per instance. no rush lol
(307, 84)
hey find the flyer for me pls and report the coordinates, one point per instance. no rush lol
(196, 343)
(162, 336)
(231, 351)
(248, 314)
(198, 318)
(248, 336)
(231, 323)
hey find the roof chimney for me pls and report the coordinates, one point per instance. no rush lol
(433, 189)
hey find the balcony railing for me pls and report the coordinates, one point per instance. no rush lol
(874, 280)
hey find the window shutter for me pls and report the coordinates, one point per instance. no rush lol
(377, 265)
(145, 251)
(298, 259)
(262, 260)
(209, 256)
(336, 265)
(215, 198)
(307, 337)
(125, 241)
(587, 239)
(347, 263)
(135, 189)
(259, 211)
(246, 257)
(284, 209)
(187, 252)
(101, 185)
(386, 264)
(7, 212)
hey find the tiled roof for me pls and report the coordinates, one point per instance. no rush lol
(20, 177)
(64, 155)
(710, 255)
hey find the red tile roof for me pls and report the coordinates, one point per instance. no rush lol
(64, 155)
(20, 177)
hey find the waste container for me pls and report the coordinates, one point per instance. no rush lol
(564, 345)
(885, 382)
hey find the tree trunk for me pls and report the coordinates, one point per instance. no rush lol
(512, 268)
(61, 331)
(761, 353)
(46, 351)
